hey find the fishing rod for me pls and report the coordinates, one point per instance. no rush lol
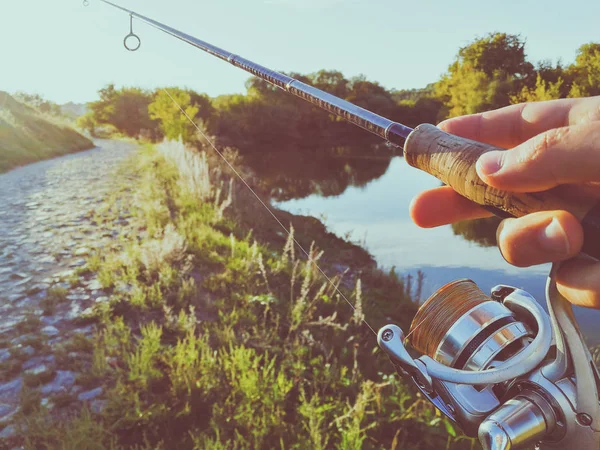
(498, 366)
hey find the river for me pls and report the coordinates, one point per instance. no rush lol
(375, 215)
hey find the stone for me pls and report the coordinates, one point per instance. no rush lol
(94, 285)
(74, 311)
(36, 370)
(6, 410)
(4, 355)
(12, 389)
(32, 363)
(84, 251)
(64, 380)
(8, 432)
(19, 276)
(29, 350)
(15, 297)
(65, 274)
(87, 330)
(97, 406)
(77, 263)
(23, 281)
(48, 259)
(25, 302)
(87, 312)
(37, 288)
(50, 330)
(55, 341)
(101, 299)
(50, 320)
(89, 395)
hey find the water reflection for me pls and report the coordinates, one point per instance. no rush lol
(327, 173)
(377, 216)
(479, 231)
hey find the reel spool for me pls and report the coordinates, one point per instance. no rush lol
(461, 327)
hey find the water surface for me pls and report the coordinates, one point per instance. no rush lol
(376, 216)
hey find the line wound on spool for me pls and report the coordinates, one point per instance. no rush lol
(442, 310)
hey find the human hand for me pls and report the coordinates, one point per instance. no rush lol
(552, 143)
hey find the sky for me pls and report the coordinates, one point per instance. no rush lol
(65, 51)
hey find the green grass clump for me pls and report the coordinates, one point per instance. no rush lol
(30, 324)
(10, 369)
(38, 379)
(54, 296)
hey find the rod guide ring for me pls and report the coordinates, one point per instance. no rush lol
(132, 46)
(137, 40)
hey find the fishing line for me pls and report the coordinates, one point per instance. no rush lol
(290, 235)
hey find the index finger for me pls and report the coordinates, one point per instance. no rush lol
(512, 125)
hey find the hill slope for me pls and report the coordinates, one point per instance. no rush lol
(26, 136)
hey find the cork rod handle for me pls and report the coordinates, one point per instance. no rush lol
(452, 160)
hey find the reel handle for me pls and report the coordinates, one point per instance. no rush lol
(452, 160)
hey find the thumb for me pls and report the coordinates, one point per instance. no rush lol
(557, 156)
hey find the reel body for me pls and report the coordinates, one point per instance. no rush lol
(501, 368)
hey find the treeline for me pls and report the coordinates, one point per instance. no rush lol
(263, 118)
(491, 72)
(494, 71)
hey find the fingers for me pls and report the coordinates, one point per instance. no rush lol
(558, 156)
(441, 206)
(541, 237)
(510, 126)
(579, 281)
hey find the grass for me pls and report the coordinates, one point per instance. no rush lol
(30, 324)
(26, 136)
(38, 379)
(220, 336)
(54, 296)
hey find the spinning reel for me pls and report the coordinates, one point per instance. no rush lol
(501, 368)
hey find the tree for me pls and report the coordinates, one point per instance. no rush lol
(371, 96)
(126, 109)
(330, 81)
(485, 74)
(39, 103)
(544, 90)
(173, 122)
(88, 123)
(585, 73)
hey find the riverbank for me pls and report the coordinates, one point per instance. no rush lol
(27, 136)
(215, 332)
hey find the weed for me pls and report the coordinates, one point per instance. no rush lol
(54, 296)
(30, 400)
(38, 342)
(38, 379)
(30, 324)
(10, 369)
